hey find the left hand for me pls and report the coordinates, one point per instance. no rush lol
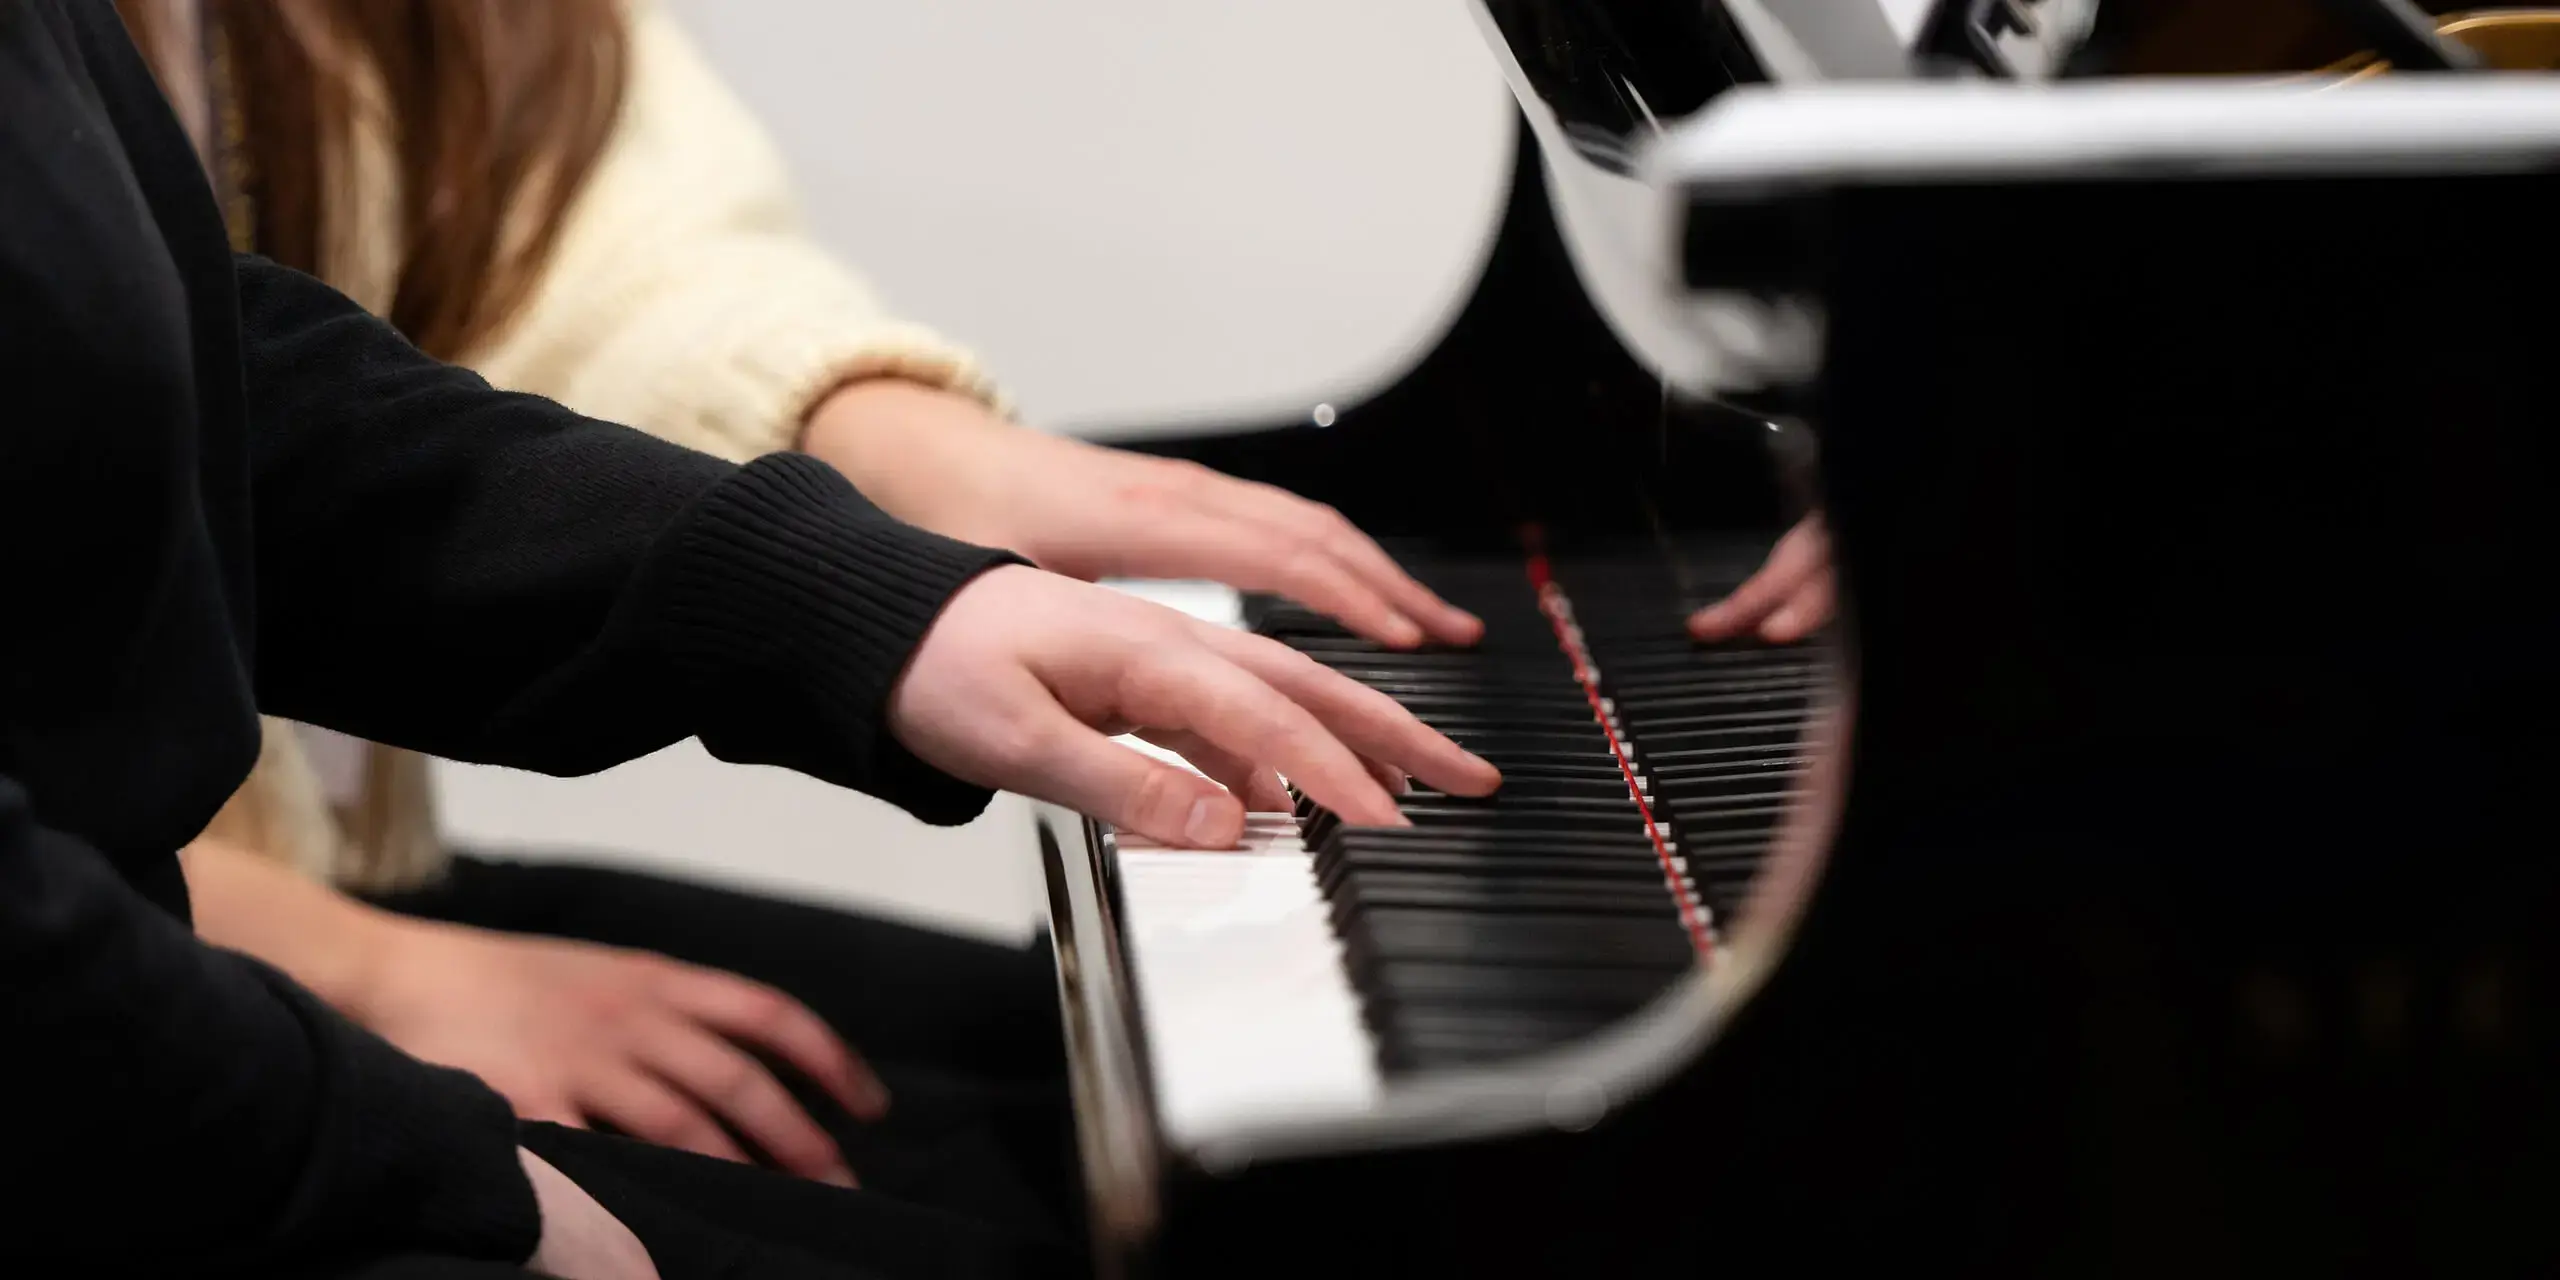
(945, 462)
(573, 1032)
(567, 1031)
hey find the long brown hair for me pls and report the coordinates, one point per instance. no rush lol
(498, 111)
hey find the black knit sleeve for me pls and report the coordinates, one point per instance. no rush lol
(254, 1122)
(490, 577)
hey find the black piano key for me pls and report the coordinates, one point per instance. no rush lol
(1455, 1018)
(1609, 784)
(1527, 800)
(1784, 706)
(1460, 821)
(1702, 818)
(1702, 798)
(1616, 842)
(1501, 925)
(1424, 994)
(1359, 892)
(1649, 659)
(1671, 749)
(1361, 896)
(1725, 851)
(1564, 703)
(1738, 762)
(1426, 1049)
(1524, 770)
(1439, 933)
(1492, 866)
(1649, 727)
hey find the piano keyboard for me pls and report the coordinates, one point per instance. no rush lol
(1644, 775)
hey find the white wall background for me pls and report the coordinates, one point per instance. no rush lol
(1140, 212)
(1140, 209)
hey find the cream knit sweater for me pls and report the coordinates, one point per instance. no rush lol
(683, 298)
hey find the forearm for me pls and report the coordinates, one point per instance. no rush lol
(262, 908)
(906, 445)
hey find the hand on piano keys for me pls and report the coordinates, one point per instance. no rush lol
(947, 463)
(1026, 675)
(1786, 601)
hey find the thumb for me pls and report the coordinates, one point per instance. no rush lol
(1134, 792)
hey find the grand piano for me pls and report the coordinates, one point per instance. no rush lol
(2151, 871)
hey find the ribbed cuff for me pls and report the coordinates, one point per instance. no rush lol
(793, 604)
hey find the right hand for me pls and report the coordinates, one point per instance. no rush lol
(1019, 682)
(580, 1239)
(947, 463)
(1787, 600)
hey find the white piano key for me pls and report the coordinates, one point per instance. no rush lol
(1211, 602)
(1250, 1016)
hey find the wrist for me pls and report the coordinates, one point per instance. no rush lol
(330, 943)
(912, 448)
(371, 950)
(850, 425)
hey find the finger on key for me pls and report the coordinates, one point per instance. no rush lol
(1325, 531)
(1258, 787)
(1798, 556)
(1803, 614)
(1197, 690)
(1389, 776)
(1374, 724)
(1093, 775)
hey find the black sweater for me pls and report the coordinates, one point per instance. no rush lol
(224, 488)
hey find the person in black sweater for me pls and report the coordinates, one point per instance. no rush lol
(212, 469)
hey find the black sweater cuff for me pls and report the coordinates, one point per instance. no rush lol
(791, 605)
(410, 1158)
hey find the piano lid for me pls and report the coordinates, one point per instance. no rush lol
(1600, 80)
(1735, 177)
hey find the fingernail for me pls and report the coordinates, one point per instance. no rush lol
(874, 1098)
(840, 1176)
(1201, 828)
